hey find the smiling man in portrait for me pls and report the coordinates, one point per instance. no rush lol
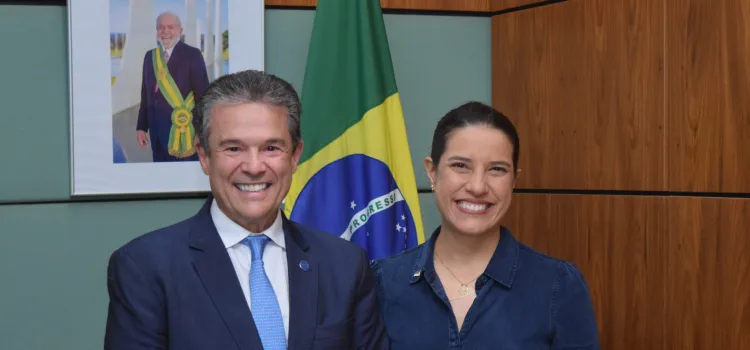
(174, 78)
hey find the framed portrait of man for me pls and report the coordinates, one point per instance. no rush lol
(137, 70)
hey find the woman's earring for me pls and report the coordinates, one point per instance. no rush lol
(432, 186)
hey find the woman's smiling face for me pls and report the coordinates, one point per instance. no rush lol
(473, 179)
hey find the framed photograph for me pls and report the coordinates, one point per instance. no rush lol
(137, 70)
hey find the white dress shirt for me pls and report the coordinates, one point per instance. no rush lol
(274, 257)
(169, 50)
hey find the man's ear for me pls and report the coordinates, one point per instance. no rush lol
(203, 156)
(297, 154)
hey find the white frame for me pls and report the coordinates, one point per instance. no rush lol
(93, 171)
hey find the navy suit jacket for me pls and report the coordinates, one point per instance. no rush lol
(188, 69)
(176, 288)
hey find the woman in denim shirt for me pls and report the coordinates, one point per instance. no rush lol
(472, 285)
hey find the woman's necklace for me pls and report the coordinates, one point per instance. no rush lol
(463, 290)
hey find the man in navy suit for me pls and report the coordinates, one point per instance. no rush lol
(174, 78)
(239, 274)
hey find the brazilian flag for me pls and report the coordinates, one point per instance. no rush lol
(355, 177)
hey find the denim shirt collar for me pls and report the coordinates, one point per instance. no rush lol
(502, 266)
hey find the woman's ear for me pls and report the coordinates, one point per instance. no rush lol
(515, 177)
(429, 168)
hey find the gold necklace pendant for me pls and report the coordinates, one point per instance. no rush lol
(463, 290)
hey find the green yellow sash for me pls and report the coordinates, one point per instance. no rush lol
(182, 134)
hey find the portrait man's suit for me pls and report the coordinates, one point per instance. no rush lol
(179, 283)
(188, 69)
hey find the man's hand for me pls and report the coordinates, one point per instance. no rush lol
(142, 138)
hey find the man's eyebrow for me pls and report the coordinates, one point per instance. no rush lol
(229, 142)
(277, 142)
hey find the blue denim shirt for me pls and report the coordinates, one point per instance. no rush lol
(525, 300)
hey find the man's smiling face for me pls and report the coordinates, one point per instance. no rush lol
(250, 162)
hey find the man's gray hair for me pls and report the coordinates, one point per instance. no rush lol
(248, 86)
(167, 13)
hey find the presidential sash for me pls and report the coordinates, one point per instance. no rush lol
(181, 135)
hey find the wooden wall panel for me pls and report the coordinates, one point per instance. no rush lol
(708, 108)
(500, 5)
(710, 285)
(428, 5)
(623, 257)
(625, 95)
(441, 5)
(664, 272)
(292, 3)
(584, 83)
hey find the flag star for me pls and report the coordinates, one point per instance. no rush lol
(398, 227)
(352, 205)
(403, 217)
(404, 229)
(368, 234)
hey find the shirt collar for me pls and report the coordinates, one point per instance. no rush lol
(231, 233)
(502, 266)
(169, 50)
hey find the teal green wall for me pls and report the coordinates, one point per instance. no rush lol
(54, 251)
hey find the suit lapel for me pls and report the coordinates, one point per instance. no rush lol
(215, 270)
(303, 288)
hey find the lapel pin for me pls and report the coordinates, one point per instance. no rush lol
(304, 265)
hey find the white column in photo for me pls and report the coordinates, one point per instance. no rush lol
(219, 39)
(190, 25)
(199, 31)
(141, 37)
(210, 40)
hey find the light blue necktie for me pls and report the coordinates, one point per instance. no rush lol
(265, 306)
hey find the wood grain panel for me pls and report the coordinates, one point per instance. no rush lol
(583, 81)
(292, 3)
(708, 108)
(710, 288)
(500, 5)
(428, 5)
(619, 243)
(439, 5)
